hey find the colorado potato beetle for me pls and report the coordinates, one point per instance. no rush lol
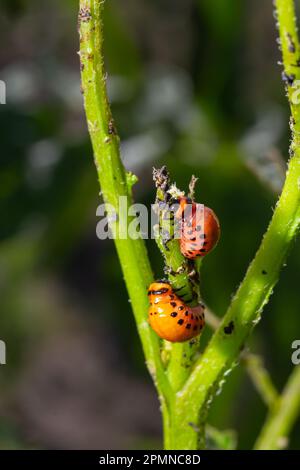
(199, 228)
(170, 317)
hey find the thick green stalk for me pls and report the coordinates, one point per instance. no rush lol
(115, 182)
(254, 365)
(179, 272)
(176, 266)
(254, 292)
(181, 355)
(274, 434)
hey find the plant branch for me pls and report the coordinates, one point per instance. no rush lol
(263, 273)
(181, 355)
(254, 365)
(115, 182)
(274, 434)
(260, 378)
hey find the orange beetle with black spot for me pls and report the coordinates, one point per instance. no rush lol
(199, 228)
(170, 317)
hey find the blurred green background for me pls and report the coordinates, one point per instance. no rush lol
(194, 85)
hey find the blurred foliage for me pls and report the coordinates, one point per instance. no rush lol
(194, 85)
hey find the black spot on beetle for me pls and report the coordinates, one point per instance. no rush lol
(173, 304)
(228, 329)
(174, 314)
(188, 326)
(180, 322)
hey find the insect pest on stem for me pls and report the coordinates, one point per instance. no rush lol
(199, 226)
(170, 317)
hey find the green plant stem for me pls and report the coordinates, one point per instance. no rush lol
(244, 312)
(115, 182)
(181, 355)
(274, 434)
(175, 262)
(176, 266)
(254, 365)
(261, 379)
